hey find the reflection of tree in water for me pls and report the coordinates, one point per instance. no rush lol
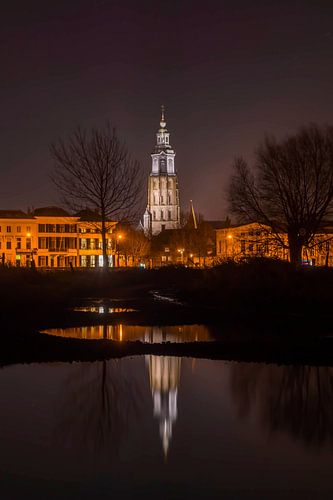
(100, 402)
(294, 399)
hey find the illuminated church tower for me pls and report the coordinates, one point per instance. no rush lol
(163, 210)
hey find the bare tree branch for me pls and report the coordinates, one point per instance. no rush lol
(289, 188)
(95, 171)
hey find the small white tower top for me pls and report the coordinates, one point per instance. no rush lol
(162, 122)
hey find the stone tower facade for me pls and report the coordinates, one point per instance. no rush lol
(163, 209)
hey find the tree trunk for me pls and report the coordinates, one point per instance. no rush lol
(104, 245)
(295, 249)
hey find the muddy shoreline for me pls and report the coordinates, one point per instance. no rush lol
(22, 342)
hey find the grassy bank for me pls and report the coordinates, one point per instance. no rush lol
(259, 288)
(277, 311)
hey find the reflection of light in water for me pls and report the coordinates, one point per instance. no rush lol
(150, 334)
(164, 375)
(103, 309)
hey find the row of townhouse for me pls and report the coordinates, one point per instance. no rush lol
(254, 240)
(50, 237)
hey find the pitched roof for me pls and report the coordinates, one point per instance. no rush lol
(88, 215)
(51, 212)
(14, 214)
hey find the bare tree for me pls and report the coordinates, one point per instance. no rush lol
(293, 399)
(135, 245)
(95, 171)
(289, 189)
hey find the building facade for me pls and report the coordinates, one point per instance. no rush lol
(50, 237)
(239, 242)
(163, 209)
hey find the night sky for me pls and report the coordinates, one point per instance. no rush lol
(228, 72)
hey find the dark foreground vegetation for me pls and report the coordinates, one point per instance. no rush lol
(261, 310)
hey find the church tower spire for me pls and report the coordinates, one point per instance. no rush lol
(163, 210)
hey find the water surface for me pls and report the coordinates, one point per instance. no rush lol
(166, 427)
(150, 334)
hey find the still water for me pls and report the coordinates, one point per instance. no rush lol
(150, 334)
(166, 427)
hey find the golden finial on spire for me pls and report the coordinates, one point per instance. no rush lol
(162, 122)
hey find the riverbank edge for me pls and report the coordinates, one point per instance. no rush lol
(245, 337)
(36, 347)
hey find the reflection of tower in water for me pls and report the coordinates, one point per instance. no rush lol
(164, 375)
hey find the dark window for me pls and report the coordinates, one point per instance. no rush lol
(9, 229)
(42, 243)
(8, 245)
(41, 228)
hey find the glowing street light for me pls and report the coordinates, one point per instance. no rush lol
(181, 251)
(118, 240)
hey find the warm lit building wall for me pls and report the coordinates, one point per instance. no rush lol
(57, 241)
(247, 240)
(52, 241)
(90, 244)
(255, 240)
(17, 239)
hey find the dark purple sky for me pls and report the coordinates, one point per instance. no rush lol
(228, 72)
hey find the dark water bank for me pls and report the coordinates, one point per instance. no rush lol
(254, 288)
(31, 346)
(259, 311)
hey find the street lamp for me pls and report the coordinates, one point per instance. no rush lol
(229, 238)
(118, 240)
(181, 252)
